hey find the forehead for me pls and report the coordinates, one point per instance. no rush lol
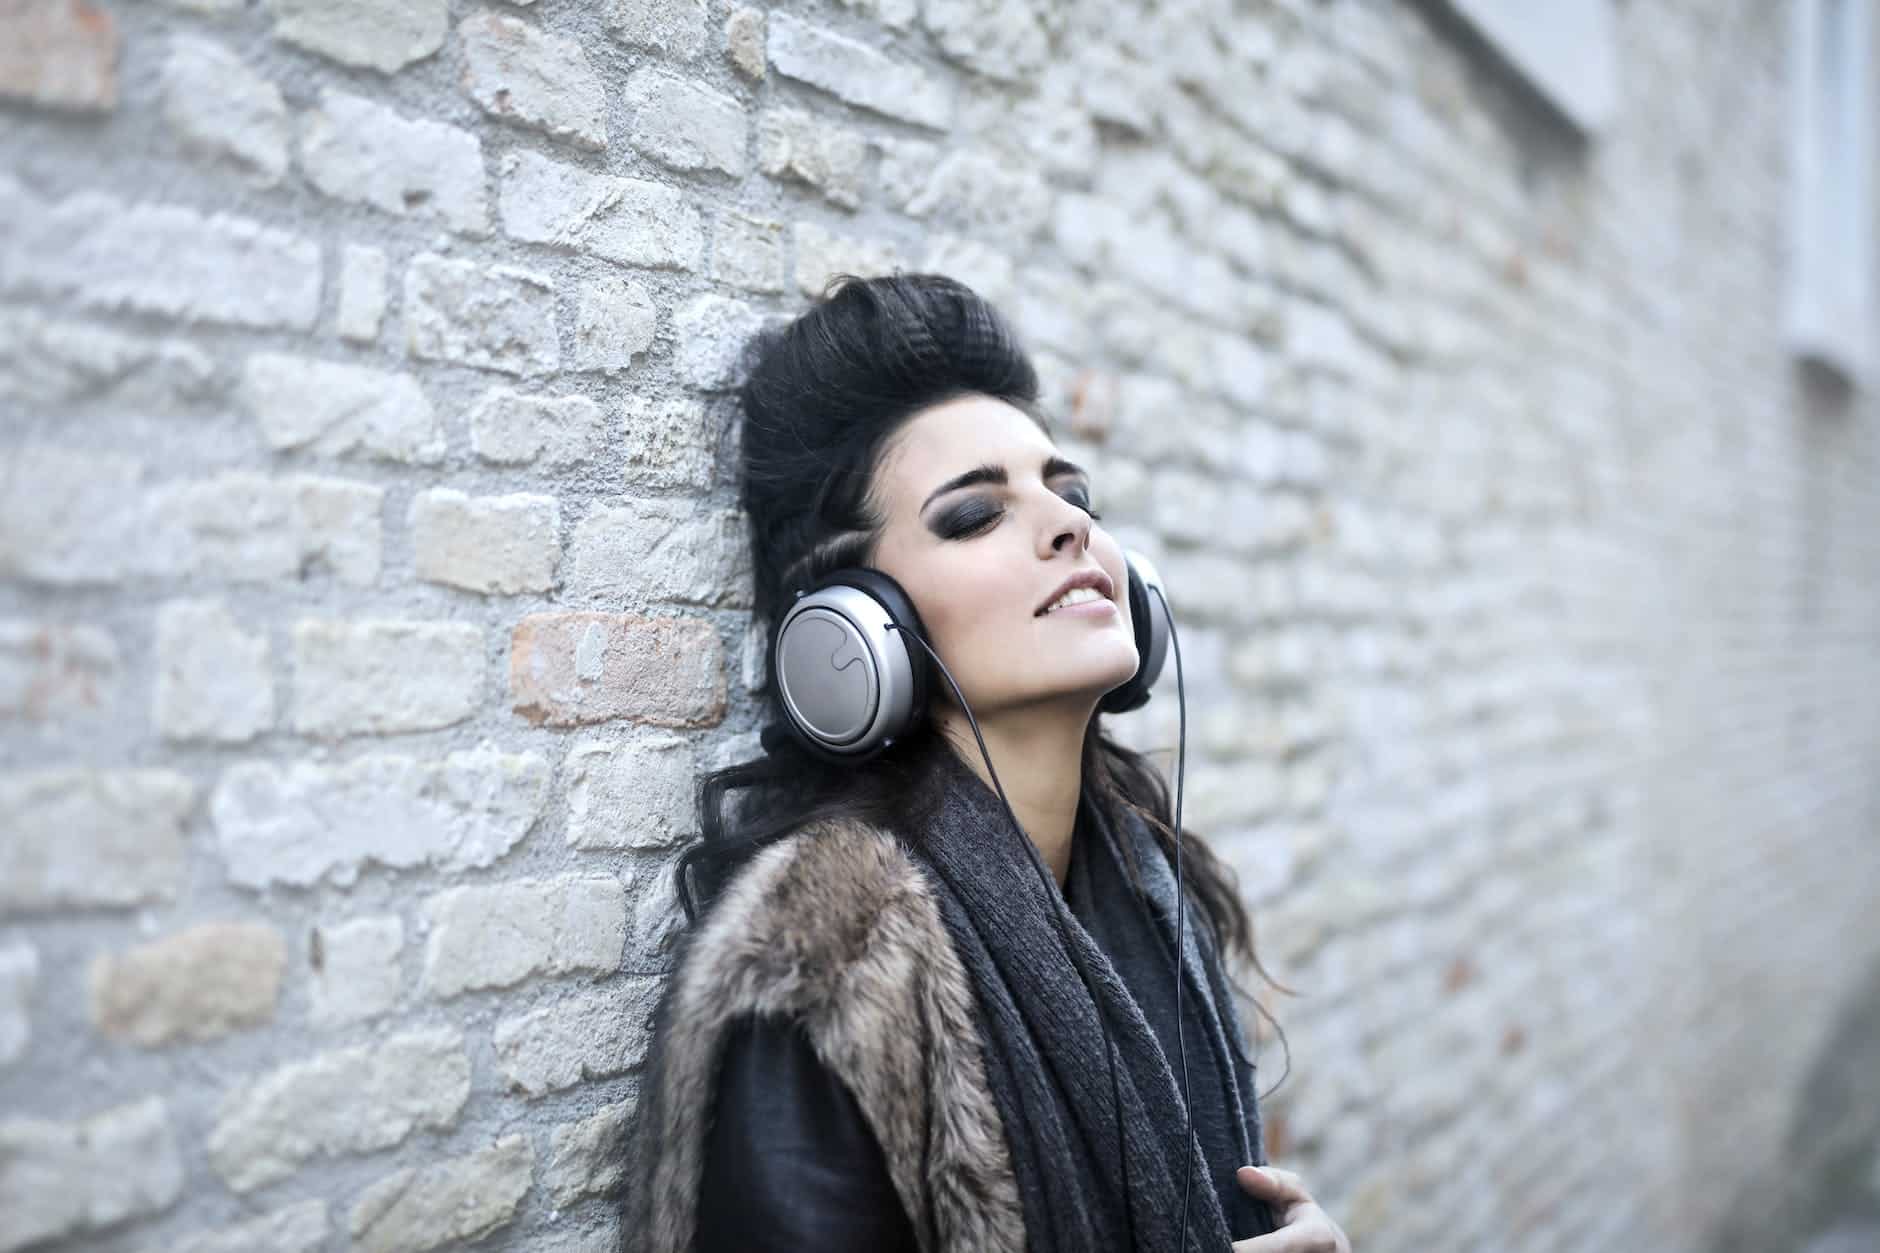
(942, 440)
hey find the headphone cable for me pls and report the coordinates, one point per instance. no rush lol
(1181, 907)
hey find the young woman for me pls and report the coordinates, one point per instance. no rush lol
(898, 1021)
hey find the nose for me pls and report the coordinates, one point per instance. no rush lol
(1077, 531)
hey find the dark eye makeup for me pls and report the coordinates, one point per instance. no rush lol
(975, 516)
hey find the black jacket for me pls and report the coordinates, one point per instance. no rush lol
(783, 938)
(789, 1157)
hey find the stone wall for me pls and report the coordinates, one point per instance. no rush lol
(372, 587)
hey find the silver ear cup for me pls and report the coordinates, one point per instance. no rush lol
(842, 675)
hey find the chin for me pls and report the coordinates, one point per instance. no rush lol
(1098, 681)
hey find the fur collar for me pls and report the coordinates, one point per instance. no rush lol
(837, 925)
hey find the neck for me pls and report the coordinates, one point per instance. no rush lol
(1038, 752)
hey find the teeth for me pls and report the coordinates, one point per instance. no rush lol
(1076, 596)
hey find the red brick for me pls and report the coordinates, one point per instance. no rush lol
(567, 669)
(61, 53)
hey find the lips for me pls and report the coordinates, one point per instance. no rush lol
(1096, 579)
(1090, 607)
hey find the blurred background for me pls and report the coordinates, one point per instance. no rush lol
(1494, 383)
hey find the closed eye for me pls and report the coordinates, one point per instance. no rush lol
(975, 519)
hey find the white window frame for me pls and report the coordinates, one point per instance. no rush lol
(1566, 50)
(1830, 315)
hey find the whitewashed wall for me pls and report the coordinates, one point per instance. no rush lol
(371, 585)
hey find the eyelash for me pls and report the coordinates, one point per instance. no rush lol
(975, 525)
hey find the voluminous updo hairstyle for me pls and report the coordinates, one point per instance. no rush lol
(821, 397)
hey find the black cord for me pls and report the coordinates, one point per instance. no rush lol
(1057, 908)
(1181, 907)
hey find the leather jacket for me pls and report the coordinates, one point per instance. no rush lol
(782, 941)
(790, 1161)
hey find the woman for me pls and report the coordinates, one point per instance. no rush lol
(887, 1029)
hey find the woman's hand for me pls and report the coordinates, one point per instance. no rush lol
(1304, 1227)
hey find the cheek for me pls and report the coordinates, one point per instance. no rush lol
(1118, 570)
(970, 608)
(980, 607)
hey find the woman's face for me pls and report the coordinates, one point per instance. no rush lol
(979, 560)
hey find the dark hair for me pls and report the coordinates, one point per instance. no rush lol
(821, 397)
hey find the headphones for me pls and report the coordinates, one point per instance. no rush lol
(850, 685)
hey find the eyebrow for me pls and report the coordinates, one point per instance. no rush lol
(991, 473)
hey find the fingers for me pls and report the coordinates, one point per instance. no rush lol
(1272, 1183)
(1304, 1227)
(1290, 1240)
(1288, 1197)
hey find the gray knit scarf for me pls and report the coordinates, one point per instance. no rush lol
(1044, 1047)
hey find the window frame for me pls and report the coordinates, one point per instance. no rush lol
(1830, 313)
(1565, 51)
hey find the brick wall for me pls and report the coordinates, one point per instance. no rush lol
(372, 587)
